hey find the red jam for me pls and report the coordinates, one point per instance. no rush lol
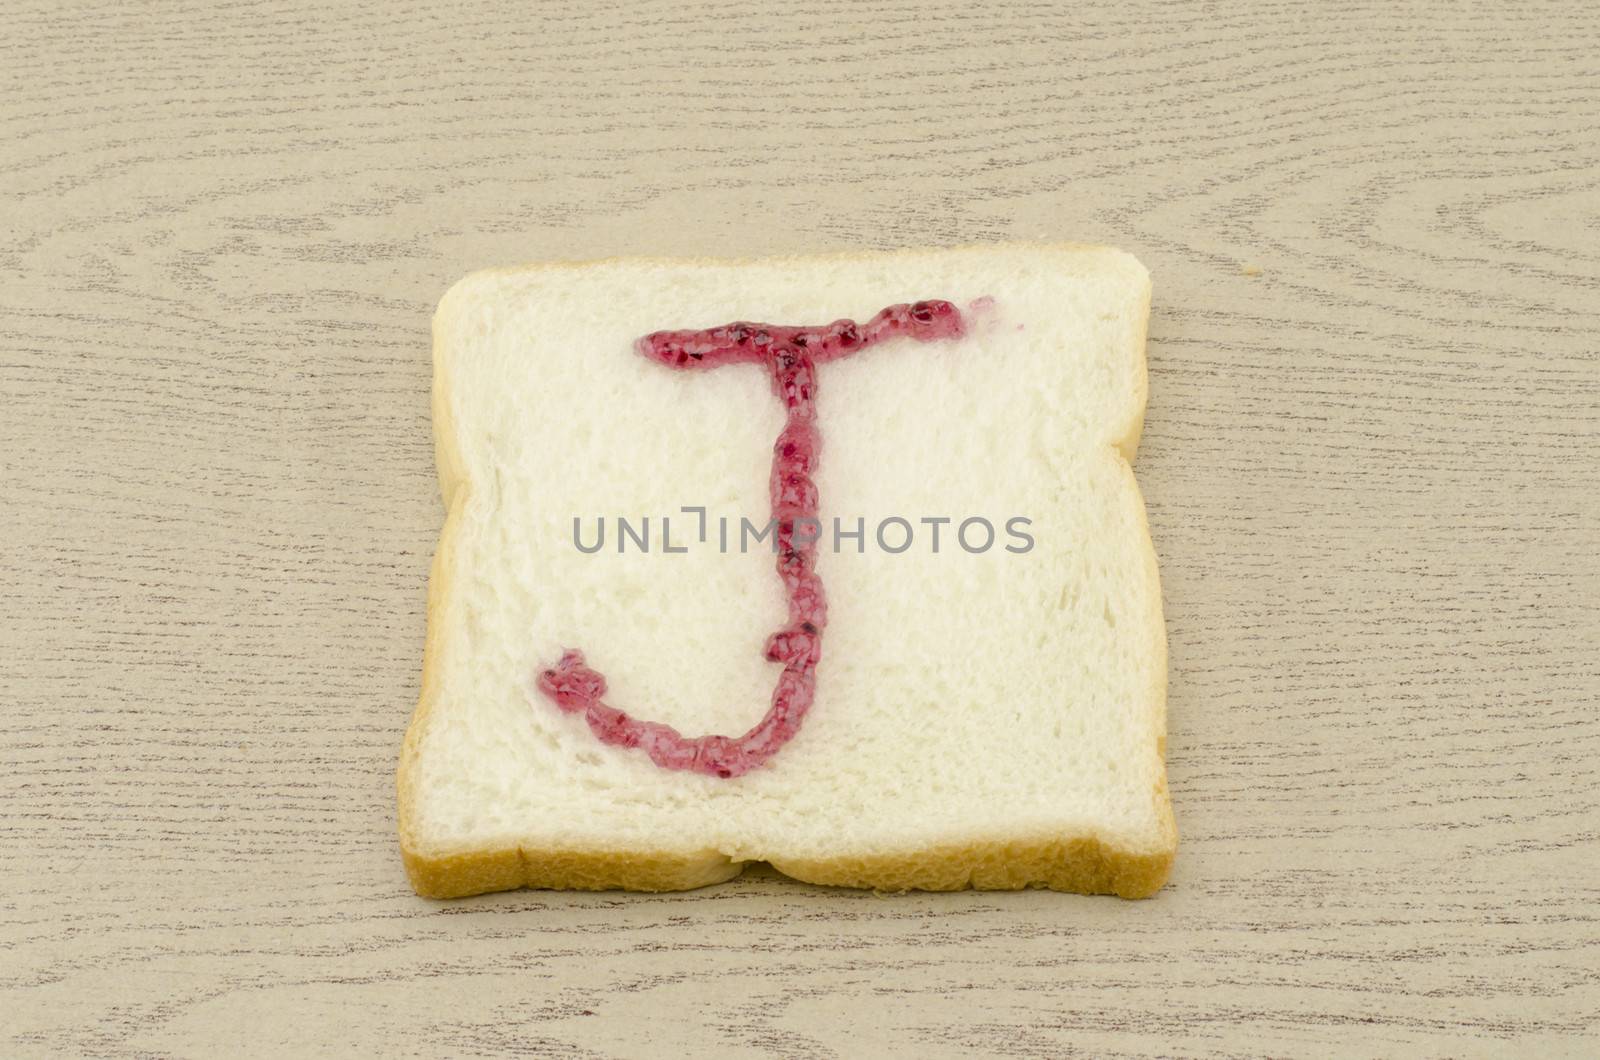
(791, 356)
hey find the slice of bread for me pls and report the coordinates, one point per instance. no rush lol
(984, 717)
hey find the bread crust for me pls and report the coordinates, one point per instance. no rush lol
(1080, 863)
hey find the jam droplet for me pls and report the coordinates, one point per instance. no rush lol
(791, 356)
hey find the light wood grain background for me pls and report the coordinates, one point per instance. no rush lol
(1372, 462)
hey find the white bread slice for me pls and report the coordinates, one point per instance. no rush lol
(990, 719)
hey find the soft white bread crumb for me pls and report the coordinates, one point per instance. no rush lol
(990, 719)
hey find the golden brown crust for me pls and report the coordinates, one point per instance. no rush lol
(1082, 865)
(1078, 863)
(482, 871)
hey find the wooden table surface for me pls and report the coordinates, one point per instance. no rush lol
(1372, 463)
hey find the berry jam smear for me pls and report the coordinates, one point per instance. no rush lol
(791, 356)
